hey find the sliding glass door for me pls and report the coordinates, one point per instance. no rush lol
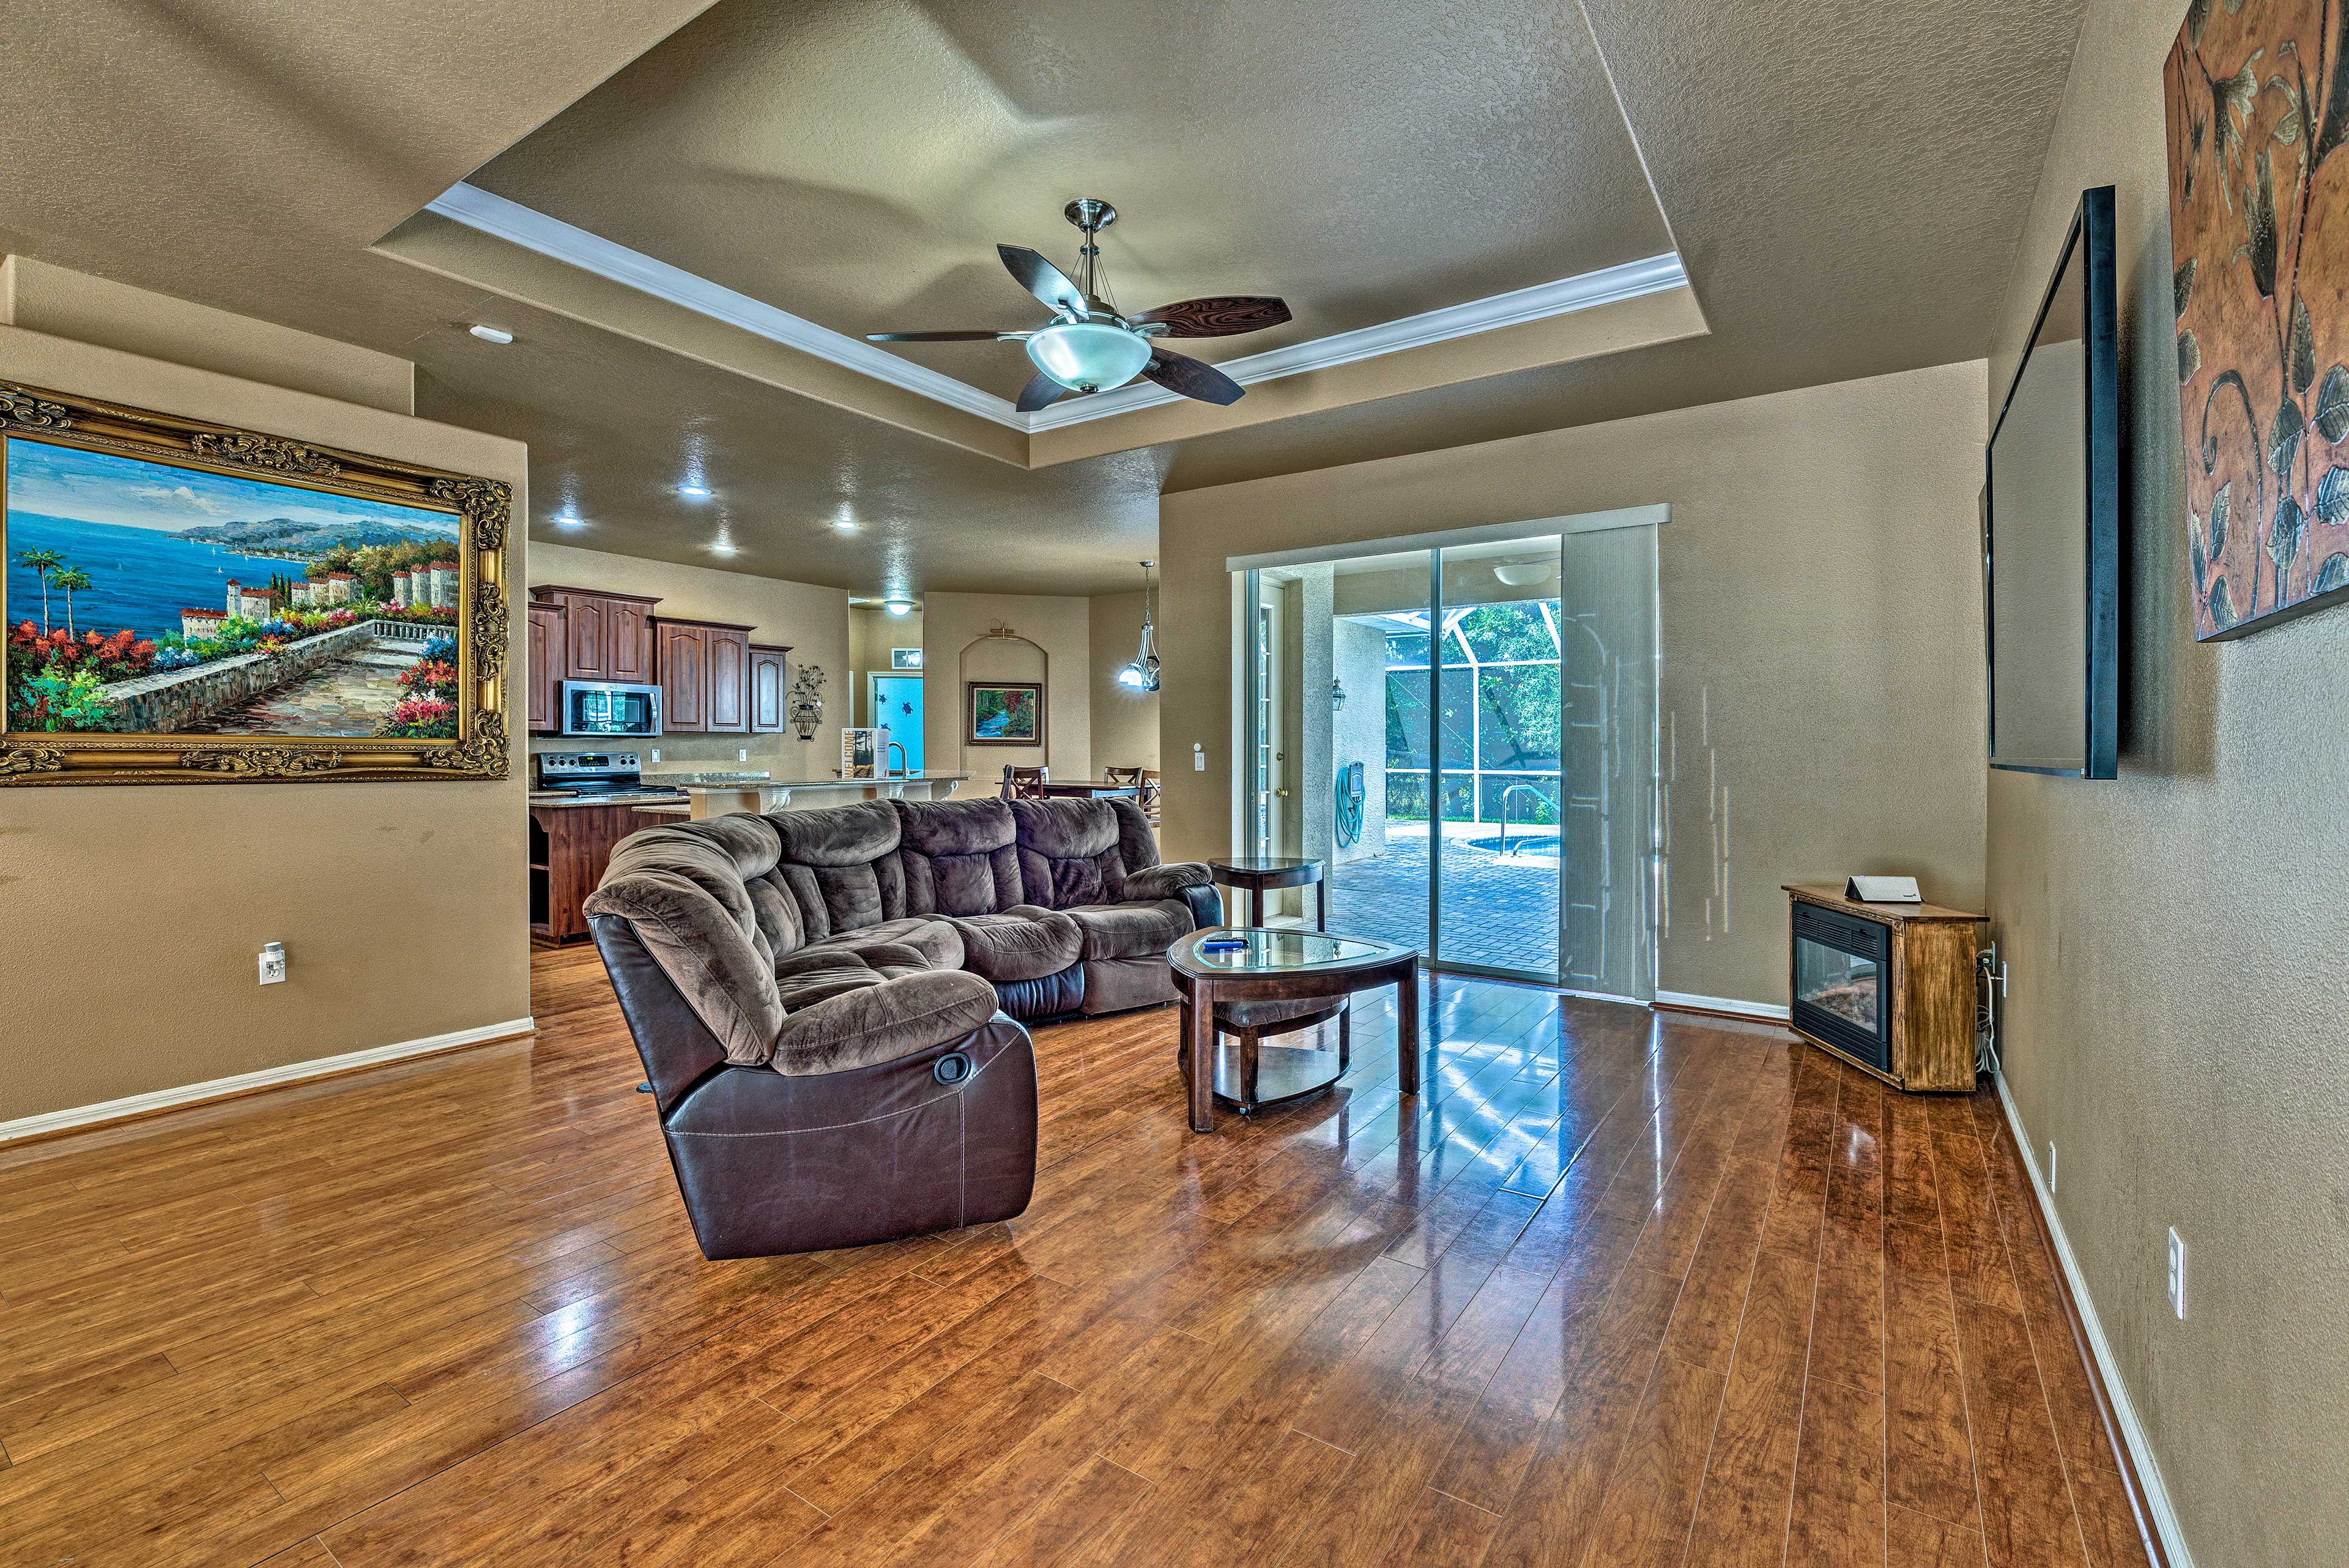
(1463, 736)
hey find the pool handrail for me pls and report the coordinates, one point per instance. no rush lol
(1505, 811)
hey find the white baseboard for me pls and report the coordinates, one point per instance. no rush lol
(1730, 1004)
(2149, 1470)
(245, 1083)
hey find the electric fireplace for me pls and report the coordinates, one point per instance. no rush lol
(1843, 982)
(1889, 988)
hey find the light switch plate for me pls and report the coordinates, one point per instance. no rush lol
(2178, 1274)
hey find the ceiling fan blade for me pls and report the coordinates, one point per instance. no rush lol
(1218, 315)
(1038, 392)
(987, 336)
(1042, 279)
(1191, 377)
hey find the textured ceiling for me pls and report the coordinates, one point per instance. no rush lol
(1845, 180)
(856, 164)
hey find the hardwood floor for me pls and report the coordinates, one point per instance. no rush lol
(1615, 1290)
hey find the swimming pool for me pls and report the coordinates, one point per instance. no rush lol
(1530, 846)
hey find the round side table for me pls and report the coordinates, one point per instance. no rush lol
(1253, 874)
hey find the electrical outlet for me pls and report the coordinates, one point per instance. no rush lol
(2178, 1274)
(273, 964)
(1198, 758)
(2051, 1165)
(741, 754)
(655, 753)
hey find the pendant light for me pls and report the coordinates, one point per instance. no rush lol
(1142, 675)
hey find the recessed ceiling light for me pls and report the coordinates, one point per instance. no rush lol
(845, 524)
(490, 334)
(722, 549)
(570, 520)
(698, 491)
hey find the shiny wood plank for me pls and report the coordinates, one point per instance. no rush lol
(1614, 1287)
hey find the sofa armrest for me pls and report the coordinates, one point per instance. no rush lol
(1154, 882)
(882, 1022)
(1207, 907)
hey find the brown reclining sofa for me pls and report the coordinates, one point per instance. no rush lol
(826, 1001)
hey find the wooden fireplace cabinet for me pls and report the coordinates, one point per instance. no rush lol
(1928, 986)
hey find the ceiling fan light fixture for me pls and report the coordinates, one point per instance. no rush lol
(1089, 355)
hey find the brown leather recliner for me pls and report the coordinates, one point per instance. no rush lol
(811, 1096)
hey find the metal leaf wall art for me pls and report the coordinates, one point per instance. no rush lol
(2258, 100)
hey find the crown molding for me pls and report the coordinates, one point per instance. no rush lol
(1586, 291)
(534, 230)
(493, 215)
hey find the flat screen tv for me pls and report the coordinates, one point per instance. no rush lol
(2050, 523)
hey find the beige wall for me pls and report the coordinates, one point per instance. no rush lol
(131, 916)
(812, 621)
(1125, 721)
(952, 623)
(109, 315)
(1822, 634)
(2175, 1019)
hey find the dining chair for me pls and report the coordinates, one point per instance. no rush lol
(1024, 784)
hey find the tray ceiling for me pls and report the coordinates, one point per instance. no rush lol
(855, 165)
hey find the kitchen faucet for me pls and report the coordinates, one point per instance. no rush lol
(901, 771)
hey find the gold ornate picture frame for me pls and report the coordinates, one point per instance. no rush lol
(370, 642)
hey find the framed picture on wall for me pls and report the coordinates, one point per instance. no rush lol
(187, 602)
(1004, 713)
(2256, 93)
(860, 752)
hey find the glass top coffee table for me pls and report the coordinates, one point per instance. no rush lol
(1229, 990)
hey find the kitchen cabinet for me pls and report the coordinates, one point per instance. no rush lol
(606, 636)
(628, 632)
(705, 676)
(684, 666)
(730, 681)
(570, 845)
(544, 665)
(768, 710)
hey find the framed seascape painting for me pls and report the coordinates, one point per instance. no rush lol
(2257, 95)
(1004, 713)
(187, 602)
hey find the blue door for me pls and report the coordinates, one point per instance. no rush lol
(897, 702)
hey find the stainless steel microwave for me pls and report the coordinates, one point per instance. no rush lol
(605, 708)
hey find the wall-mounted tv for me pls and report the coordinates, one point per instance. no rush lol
(2051, 525)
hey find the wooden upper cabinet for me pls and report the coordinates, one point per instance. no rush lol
(628, 638)
(730, 681)
(684, 665)
(584, 632)
(768, 714)
(705, 675)
(545, 665)
(606, 636)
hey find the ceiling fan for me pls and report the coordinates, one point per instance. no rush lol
(1088, 347)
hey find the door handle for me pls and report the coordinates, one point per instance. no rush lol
(1283, 793)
